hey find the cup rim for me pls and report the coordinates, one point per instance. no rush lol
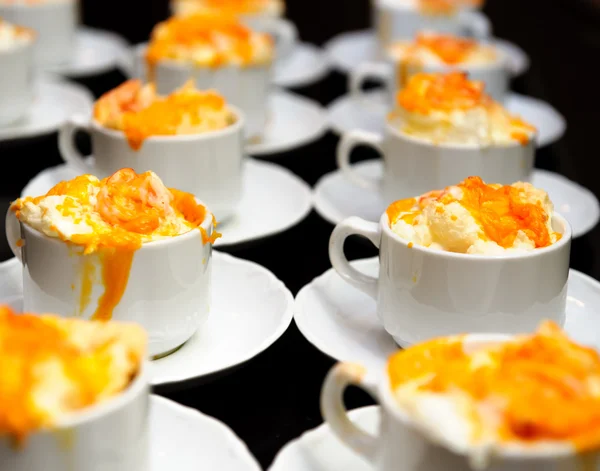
(482, 258)
(237, 127)
(152, 245)
(97, 411)
(510, 450)
(398, 134)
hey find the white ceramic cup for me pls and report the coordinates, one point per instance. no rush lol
(283, 31)
(246, 88)
(413, 166)
(208, 165)
(423, 293)
(403, 444)
(394, 73)
(167, 292)
(109, 436)
(55, 23)
(16, 82)
(401, 20)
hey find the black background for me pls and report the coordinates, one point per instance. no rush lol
(274, 398)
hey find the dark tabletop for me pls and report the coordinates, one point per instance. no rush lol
(274, 398)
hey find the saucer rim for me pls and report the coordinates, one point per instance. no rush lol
(301, 319)
(319, 432)
(229, 437)
(177, 382)
(314, 78)
(50, 84)
(268, 151)
(76, 71)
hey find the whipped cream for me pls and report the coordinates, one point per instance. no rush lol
(476, 399)
(475, 218)
(431, 49)
(451, 109)
(12, 36)
(124, 210)
(76, 364)
(209, 41)
(139, 112)
(237, 7)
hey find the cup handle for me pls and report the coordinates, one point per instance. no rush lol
(348, 142)
(66, 143)
(365, 71)
(13, 233)
(353, 226)
(287, 36)
(477, 24)
(333, 411)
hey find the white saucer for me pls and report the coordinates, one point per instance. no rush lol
(96, 52)
(305, 65)
(347, 113)
(184, 439)
(320, 450)
(336, 198)
(341, 321)
(55, 100)
(293, 121)
(347, 50)
(239, 327)
(260, 214)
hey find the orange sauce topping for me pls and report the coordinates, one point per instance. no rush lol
(201, 30)
(543, 386)
(236, 6)
(130, 209)
(500, 210)
(36, 352)
(425, 93)
(446, 7)
(502, 213)
(141, 114)
(450, 49)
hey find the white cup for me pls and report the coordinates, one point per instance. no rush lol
(54, 22)
(16, 82)
(109, 436)
(403, 444)
(208, 165)
(167, 291)
(424, 293)
(414, 166)
(283, 31)
(246, 88)
(394, 73)
(403, 20)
